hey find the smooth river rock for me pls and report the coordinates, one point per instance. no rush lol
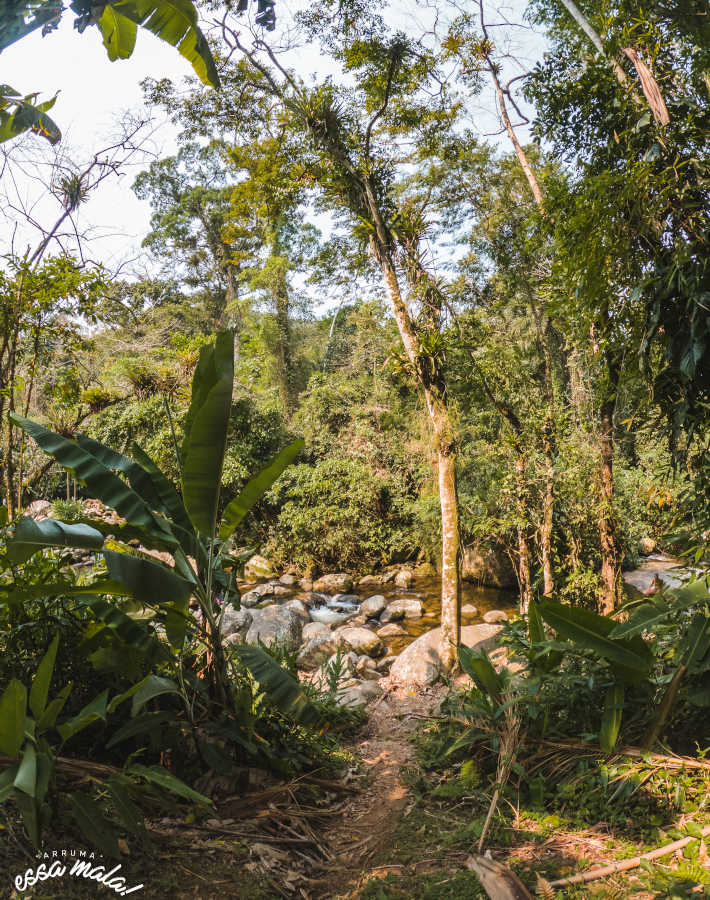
(316, 651)
(336, 583)
(258, 567)
(260, 593)
(276, 624)
(359, 639)
(314, 629)
(359, 694)
(373, 606)
(469, 609)
(420, 662)
(404, 578)
(406, 608)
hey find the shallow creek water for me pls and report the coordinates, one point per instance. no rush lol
(428, 592)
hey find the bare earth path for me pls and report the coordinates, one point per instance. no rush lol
(368, 822)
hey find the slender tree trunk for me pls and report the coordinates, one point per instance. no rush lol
(548, 509)
(9, 466)
(523, 550)
(549, 497)
(450, 546)
(287, 380)
(595, 38)
(442, 427)
(607, 527)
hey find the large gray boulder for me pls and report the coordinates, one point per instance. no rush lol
(316, 651)
(406, 608)
(359, 639)
(276, 624)
(368, 580)
(300, 610)
(488, 566)
(373, 606)
(359, 694)
(235, 624)
(336, 583)
(420, 662)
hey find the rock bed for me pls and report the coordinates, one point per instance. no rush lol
(323, 621)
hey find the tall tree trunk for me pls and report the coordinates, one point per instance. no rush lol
(523, 550)
(443, 432)
(607, 527)
(548, 509)
(450, 543)
(287, 380)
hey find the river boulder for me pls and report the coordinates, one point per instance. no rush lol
(258, 567)
(336, 583)
(359, 639)
(276, 624)
(373, 606)
(316, 651)
(420, 662)
(234, 624)
(495, 617)
(406, 608)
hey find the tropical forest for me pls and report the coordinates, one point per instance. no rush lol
(354, 449)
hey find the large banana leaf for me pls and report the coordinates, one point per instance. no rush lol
(151, 583)
(40, 683)
(169, 497)
(631, 657)
(154, 584)
(174, 21)
(99, 479)
(695, 643)
(133, 633)
(19, 114)
(282, 689)
(119, 34)
(206, 432)
(13, 708)
(138, 478)
(31, 536)
(257, 487)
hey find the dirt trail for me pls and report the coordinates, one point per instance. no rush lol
(384, 747)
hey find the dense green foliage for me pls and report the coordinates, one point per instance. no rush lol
(413, 334)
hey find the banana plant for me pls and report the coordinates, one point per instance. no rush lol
(19, 114)
(691, 654)
(629, 656)
(31, 734)
(182, 524)
(173, 21)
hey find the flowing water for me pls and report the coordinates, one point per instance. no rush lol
(428, 592)
(335, 611)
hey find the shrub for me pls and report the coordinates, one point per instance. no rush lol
(340, 514)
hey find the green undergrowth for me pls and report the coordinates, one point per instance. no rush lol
(591, 812)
